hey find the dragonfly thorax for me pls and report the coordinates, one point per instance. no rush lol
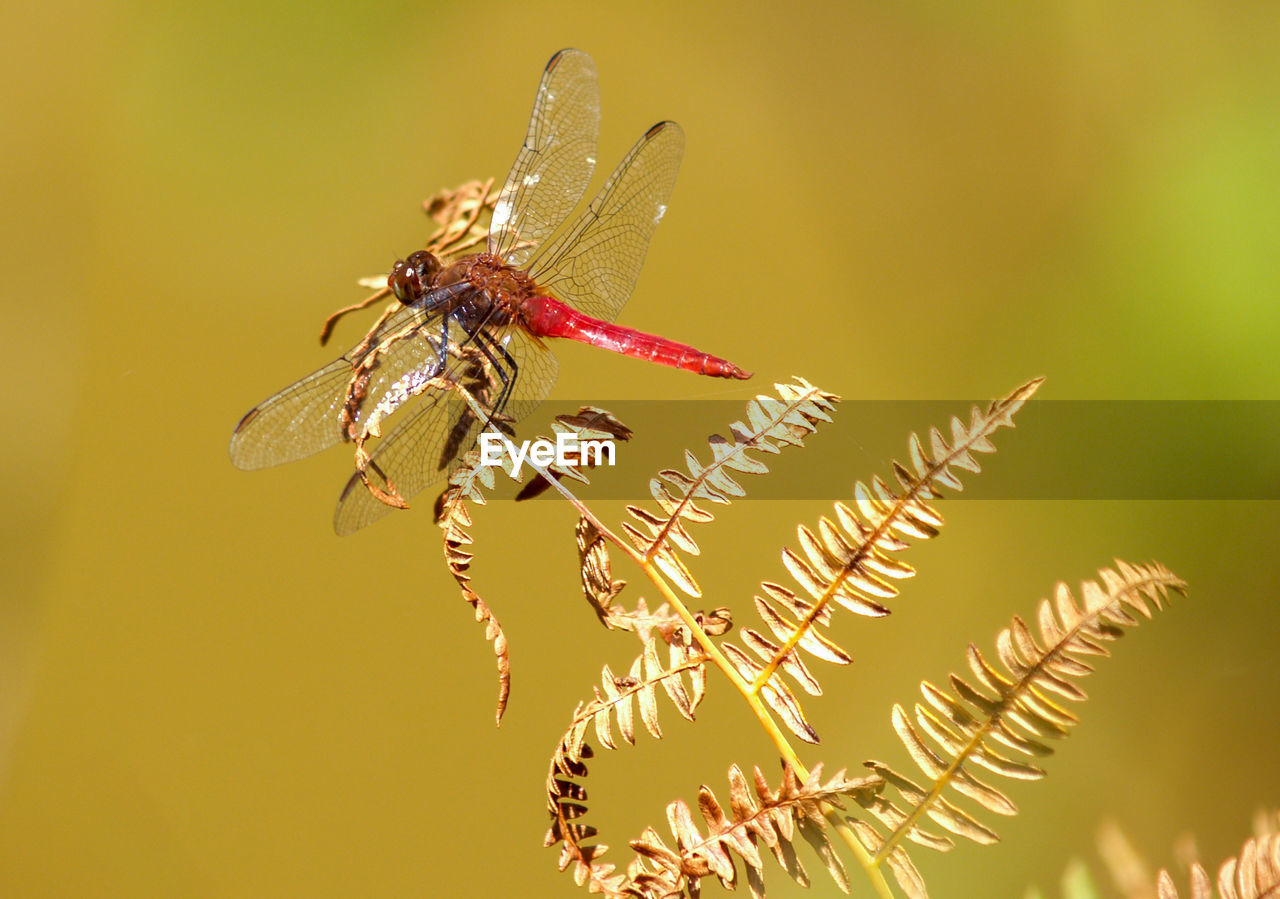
(411, 277)
(503, 286)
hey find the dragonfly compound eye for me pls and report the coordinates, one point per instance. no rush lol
(403, 282)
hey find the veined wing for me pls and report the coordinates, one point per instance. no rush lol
(410, 456)
(594, 263)
(553, 167)
(304, 418)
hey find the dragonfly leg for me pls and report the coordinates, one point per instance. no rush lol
(485, 342)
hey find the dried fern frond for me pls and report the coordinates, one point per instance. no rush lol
(850, 561)
(453, 515)
(770, 817)
(772, 423)
(467, 485)
(601, 590)
(1003, 714)
(596, 571)
(463, 215)
(1253, 874)
(615, 701)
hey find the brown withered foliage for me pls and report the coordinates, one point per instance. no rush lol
(999, 718)
(1253, 874)
(466, 487)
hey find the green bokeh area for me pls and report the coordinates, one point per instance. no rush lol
(203, 692)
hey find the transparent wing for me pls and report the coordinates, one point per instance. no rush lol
(417, 454)
(303, 418)
(594, 264)
(553, 167)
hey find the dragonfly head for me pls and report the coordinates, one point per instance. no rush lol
(411, 277)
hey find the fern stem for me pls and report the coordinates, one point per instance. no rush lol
(869, 865)
(922, 485)
(714, 653)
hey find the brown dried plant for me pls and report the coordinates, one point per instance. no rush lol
(997, 719)
(1253, 874)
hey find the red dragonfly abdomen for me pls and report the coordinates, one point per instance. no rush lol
(548, 317)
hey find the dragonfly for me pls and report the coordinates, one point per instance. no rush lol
(480, 322)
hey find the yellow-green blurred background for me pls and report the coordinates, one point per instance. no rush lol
(203, 692)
